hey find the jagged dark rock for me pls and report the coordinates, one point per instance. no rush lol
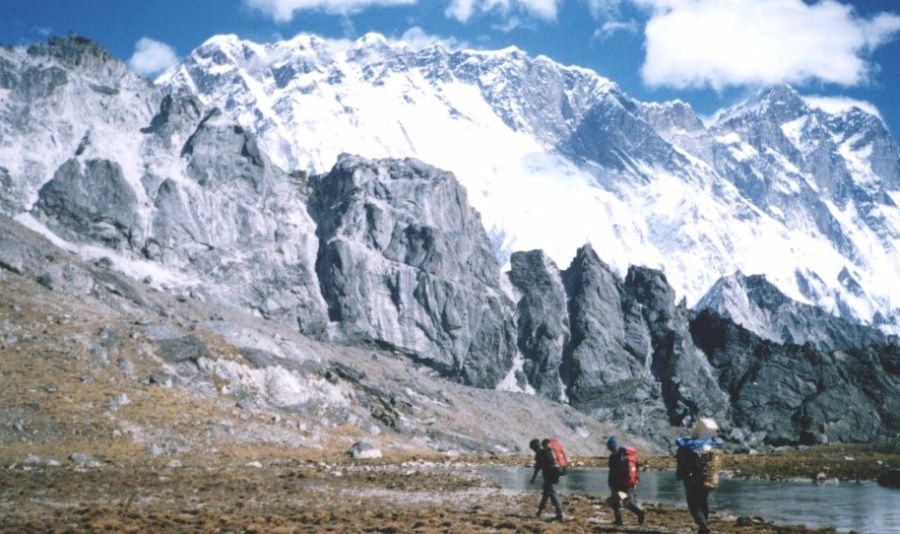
(542, 319)
(606, 363)
(404, 261)
(90, 202)
(688, 383)
(623, 350)
(795, 394)
(176, 112)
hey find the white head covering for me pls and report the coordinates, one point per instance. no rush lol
(705, 427)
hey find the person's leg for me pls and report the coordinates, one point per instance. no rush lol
(694, 505)
(550, 491)
(704, 505)
(544, 497)
(632, 504)
(617, 508)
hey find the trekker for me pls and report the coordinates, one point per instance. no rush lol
(545, 462)
(623, 480)
(698, 463)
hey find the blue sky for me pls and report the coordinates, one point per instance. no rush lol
(710, 53)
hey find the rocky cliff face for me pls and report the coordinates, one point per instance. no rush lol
(94, 361)
(606, 363)
(622, 350)
(404, 261)
(171, 191)
(786, 394)
(687, 381)
(542, 319)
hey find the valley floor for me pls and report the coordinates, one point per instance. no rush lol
(279, 494)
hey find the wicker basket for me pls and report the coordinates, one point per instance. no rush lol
(704, 469)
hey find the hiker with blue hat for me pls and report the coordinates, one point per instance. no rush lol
(623, 480)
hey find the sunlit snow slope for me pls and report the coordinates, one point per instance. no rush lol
(554, 156)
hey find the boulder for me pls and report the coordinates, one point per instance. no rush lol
(362, 450)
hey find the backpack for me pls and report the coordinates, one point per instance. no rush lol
(698, 466)
(706, 469)
(559, 457)
(628, 469)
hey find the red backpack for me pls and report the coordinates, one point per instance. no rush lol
(628, 475)
(559, 457)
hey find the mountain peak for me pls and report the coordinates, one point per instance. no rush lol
(72, 50)
(223, 40)
(372, 39)
(781, 92)
(226, 43)
(759, 306)
(779, 102)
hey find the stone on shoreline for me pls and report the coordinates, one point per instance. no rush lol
(362, 450)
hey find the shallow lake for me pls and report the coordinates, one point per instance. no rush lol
(863, 507)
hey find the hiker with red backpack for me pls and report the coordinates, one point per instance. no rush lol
(551, 462)
(623, 480)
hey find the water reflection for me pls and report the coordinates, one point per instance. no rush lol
(865, 507)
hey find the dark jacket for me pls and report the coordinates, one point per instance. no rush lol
(545, 462)
(617, 465)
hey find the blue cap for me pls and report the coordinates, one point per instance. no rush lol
(612, 443)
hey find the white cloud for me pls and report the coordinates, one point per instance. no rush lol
(283, 10)
(720, 43)
(463, 10)
(605, 9)
(417, 39)
(151, 57)
(840, 104)
(612, 27)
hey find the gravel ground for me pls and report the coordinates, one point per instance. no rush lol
(304, 496)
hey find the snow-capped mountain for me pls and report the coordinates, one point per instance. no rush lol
(173, 191)
(758, 306)
(555, 156)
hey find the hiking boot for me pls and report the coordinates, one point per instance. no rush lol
(559, 517)
(641, 515)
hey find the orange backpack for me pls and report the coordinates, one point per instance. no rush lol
(628, 475)
(562, 463)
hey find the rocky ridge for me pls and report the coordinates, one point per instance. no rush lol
(785, 394)
(757, 305)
